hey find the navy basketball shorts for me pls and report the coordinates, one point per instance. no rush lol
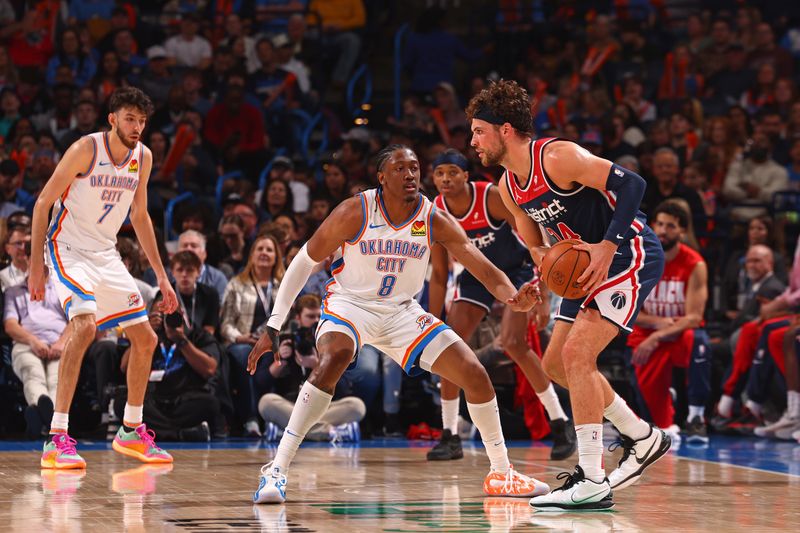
(634, 272)
(469, 289)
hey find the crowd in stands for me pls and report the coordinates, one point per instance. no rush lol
(701, 100)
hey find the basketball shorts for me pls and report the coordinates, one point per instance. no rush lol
(95, 282)
(469, 289)
(407, 333)
(635, 271)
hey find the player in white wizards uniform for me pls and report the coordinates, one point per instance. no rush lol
(382, 241)
(101, 178)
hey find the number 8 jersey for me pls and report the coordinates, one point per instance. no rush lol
(384, 262)
(91, 211)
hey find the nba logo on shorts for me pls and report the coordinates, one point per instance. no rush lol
(418, 229)
(134, 299)
(424, 320)
(618, 300)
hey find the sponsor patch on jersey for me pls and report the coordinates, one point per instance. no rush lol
(134, 166)
(424, 321)
(418, 229)
(134, 299)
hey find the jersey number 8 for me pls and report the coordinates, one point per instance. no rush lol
(387, 285)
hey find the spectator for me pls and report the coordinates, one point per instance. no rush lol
(695, 178)
(717, 151)
(633, 94)
(38, 330)
(721, 39)
(683, 139)
(109, 77)
(753, 178)
(31, 39)
(180, 402)
(283, 169)
(8, 72)
(188, 49)
(666, 169)
(764, 286)
(9, 106)
(17, 247)
(157, 79)
(318, 279)
(299, 358)
(793, 168)
(234, 29)
(247, 306)
(762, 90)
(85, 123)
(766, 51)
(232, 231)
(85, 10)
(130, 253)
(770, 122)
(288, 61)
(277, 200)
(335, 183)
(614, 145)
(352, 157)
(341, 22)
(198, 302)
(12, 196)
(195, 242)
(731, 80)
(131, 63)
(71, 55)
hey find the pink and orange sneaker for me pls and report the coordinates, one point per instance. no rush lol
(513, 484)
(59, 452)
(140, 444)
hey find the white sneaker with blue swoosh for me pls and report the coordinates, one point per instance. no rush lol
(637, 455)
(271, 485)
(576, 494)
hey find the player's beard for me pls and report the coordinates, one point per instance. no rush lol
(128, 144)
(668, 244)
(495, 158)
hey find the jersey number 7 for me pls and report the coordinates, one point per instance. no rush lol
(106, 210)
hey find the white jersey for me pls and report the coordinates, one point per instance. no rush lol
(93, 208)
(384, 263)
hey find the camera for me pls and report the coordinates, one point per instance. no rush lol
(174, 320)
(304, 341)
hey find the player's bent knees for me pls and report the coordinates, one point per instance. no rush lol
(473, 377)
(576, 360)
(553, 366)
(332, 365)
(514, 345)
(84, 328)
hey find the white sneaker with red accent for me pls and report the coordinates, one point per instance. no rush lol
(513, 484)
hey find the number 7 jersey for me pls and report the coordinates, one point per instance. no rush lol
(384, 262)
(91, 211)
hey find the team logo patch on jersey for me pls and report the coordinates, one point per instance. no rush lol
(134, 299)
(424, 321)
(618, 300)
(134, 166)
(418, 229)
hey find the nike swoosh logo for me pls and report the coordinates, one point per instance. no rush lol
(698, 361)
(103, 163)
(620, 237)
(373, 226)
(646, 455)
(587, 498)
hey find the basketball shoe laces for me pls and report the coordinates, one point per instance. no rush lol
(148, 437)
(511, 479)
(571, 479)
(627, 445)
(65, 444)
(268, 471)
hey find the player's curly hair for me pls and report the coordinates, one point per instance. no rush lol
(130, 97)
(506, 100)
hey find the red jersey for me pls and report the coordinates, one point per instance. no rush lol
(668, 298)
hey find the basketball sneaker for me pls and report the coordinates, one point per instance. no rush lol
(140, 444)
(565, 442)
(769, 431)
(349, 432)
(448, 448)
(787, 432)
(637, 455)
(513, 484)
(696, 432)
(271, 485)
(576, 494)
(59, 452)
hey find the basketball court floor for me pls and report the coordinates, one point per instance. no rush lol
(383, 485)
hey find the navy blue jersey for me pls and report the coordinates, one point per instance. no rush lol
(583, 213)
(494, 238)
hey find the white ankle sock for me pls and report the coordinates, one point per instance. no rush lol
(60, 423)
(450, 415)
(725, 406)
(793, 399)
(486, 417)
(753, 407)
(549, 399)
(590, 451)
(696, 410)
(132, 417)
(625, 420)
(311, 404)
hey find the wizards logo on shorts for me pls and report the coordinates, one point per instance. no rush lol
(418, 229)
(134, 166)
(424, 321)
(134, 299)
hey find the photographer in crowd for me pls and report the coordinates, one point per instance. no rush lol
(180, 401)
(246, 307)
(298, 358)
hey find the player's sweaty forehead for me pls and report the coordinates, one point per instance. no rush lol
(402, 156)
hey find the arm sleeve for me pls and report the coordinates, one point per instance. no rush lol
(294, 280)
(629, 188)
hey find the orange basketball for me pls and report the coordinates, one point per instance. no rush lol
(562, 266)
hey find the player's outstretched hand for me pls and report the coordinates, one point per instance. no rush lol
(601, 255)
(264, 345)
(169, 302)
(527, 296)
(36, 280)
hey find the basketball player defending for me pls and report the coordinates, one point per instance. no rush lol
(382, 240)
(575, 195)
(100, 178)
(478, 208)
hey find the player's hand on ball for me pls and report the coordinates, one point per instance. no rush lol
(265, 345)
(601, 255)
(169, 302)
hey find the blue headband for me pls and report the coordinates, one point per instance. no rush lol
(451, 158)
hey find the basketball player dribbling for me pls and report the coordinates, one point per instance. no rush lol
(478, 208)
(382, 239)
(575, 195)
(101, 177)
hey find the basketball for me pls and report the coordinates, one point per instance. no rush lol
(562, 266)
